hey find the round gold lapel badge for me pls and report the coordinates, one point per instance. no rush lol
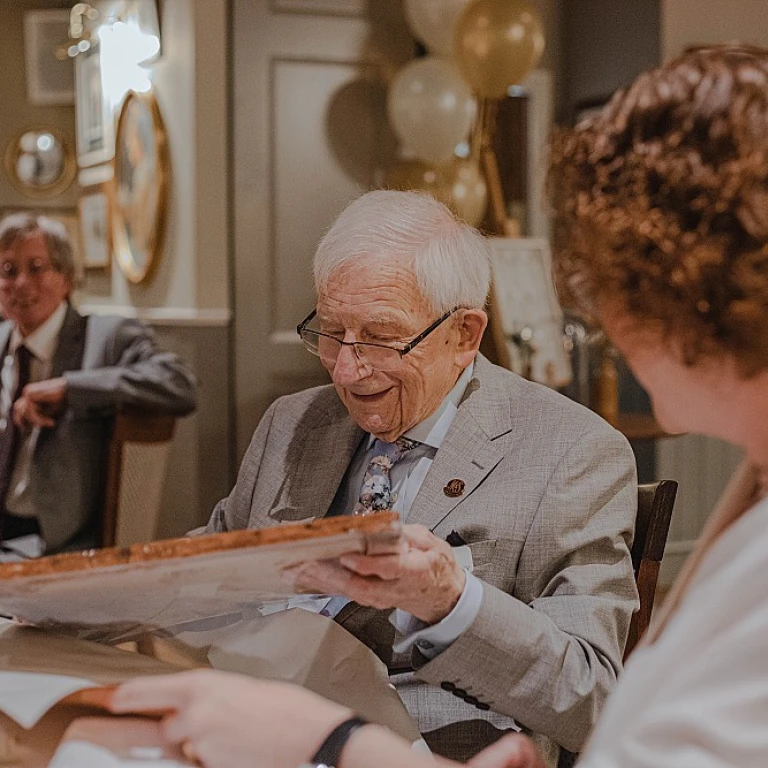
(454, 488)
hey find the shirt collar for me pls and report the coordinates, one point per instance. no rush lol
(42, 342)
(434, 428)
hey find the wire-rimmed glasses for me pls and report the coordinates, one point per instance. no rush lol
(382, 357)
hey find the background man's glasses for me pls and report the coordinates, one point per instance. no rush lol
(382, 357)
(35, 269)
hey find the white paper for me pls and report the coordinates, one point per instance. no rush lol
(26, 696)
(82, 754)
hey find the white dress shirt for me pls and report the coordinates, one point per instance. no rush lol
(698, 696)
(42, 343)
(406, 478)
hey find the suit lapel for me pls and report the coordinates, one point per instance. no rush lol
(468, 452)
(71, 347)
(327, 452)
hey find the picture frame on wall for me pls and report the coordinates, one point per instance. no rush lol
(93, 112)
(50, 75)
(93, 207)
(526, 312)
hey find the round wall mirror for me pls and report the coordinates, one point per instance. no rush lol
(140, 187)
(40, 163)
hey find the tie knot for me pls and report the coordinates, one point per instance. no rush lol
(394, 451)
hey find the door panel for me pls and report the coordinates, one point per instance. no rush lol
(310, 132)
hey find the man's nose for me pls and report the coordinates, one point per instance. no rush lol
(349, 369)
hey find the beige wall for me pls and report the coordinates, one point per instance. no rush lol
(16, 113)
(694, 22)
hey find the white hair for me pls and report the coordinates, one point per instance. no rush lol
(449, 259)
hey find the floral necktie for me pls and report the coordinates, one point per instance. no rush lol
(376, 493)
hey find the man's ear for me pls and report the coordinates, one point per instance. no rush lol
(471, 325)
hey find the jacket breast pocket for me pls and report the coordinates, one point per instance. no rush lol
(483, 553)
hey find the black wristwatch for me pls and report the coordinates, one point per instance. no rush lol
(329, 754)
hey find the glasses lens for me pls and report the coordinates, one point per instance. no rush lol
(380, 358)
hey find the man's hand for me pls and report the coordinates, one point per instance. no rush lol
(40, 403)
(423, 579)
(513, 751)
(221, 719)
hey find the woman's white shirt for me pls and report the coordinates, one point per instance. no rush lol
(698, 697)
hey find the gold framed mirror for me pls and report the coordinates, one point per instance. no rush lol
(40, 162)
(140, 187)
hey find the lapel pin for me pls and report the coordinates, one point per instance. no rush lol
(454, 488)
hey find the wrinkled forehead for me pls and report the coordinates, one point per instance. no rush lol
(380, 286)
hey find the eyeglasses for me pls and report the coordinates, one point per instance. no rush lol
(35, 269)
(382, 357)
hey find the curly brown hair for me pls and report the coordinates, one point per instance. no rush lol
(661, 203)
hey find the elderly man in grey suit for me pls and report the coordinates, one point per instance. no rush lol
(63, 377)
(521, 623)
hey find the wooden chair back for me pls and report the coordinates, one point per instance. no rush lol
(655, 502)
(138, 455)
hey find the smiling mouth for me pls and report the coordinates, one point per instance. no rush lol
(372, 398)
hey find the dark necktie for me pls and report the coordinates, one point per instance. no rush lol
(9, 436)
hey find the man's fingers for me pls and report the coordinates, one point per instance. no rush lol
(383, 566)
(419, 537)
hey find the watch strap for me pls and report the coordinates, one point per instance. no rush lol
(330, 750)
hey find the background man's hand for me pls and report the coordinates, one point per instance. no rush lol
(40, 403)
(513, 751)
(228, 720)
(423, 579)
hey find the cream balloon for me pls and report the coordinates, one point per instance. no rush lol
(434, 23)
(498, 42)
(431, 108)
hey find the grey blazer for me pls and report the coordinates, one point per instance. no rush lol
(548, 511)
(107, 362)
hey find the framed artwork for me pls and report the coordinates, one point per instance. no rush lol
(66, 216)
(140, 187)
(527, 318)
(93, 112)
(94, 227)
(50, 75)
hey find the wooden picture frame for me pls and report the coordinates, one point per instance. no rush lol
(527, 320)
(93, 207)
(50, 77)
(93, 111)
(140, 187)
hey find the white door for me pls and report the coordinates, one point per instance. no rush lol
(310, 132)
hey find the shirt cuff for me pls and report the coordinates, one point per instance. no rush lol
(432, 640)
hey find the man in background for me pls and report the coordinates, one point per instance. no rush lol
(63, 377)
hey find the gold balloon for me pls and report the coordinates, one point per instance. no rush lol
(462, 188)
(498, 42)
(458, 183)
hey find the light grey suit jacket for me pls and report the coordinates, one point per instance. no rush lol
(548, 511)
(108, 362)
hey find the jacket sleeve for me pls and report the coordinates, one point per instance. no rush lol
(233, 512)
(550, 657)
(137, 373)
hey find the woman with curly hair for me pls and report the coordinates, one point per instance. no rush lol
(661, 212)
